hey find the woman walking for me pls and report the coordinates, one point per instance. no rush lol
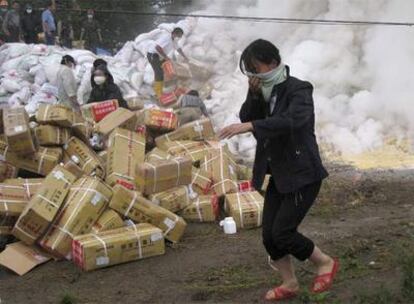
(279, 111)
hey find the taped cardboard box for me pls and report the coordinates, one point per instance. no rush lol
(135, 103)
(245, 186)
(134, 206)
(30, 185)
(121, 118)
(48, 135)
(6, 224)
(201, 183)
(13, 200)
(7, 171)
(196, 150)
(82, 128)
(156, 119)
(43, 207)
(89, 162)
(246, 208)
(126, 150)
(96, 111)
(17, 131)
(197, 130)
(221, 167)
(112, 247)
(87, 200)
(41, 162)
(204, 208)
(161, 175)
(174, 199)
(107, 221)
(103, 155)
(73, 167)
(157, 154)
(58, 115)
(21, 258)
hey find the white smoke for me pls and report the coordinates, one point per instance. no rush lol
(363, 75)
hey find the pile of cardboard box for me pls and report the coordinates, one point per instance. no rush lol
(122, 203)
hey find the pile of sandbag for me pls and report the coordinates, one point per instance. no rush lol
(119, 204)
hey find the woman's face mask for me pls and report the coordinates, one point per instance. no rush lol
(99, 80)
(29, 10)
(263, 76)
(90, 17)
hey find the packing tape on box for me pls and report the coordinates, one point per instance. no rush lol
(198, 128)
(48, 200)
(102, 260)
(170, 223)
(178, 171)
(130, 139)
(197, 204)
(240, 210)
(46, 112)
(60, 176)
(42, 157)
(259, 209)
(139, 241)
(131, 204)
(154, 187)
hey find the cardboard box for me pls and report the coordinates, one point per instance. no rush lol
(43, 207)
(74, 168)
(135, 103)
(246, 208)
(161, 175)
(174, 199)
(7, 171)
(13, 200)
(197, 130)
(156, 119)
(221, 167)
(17, 131)
(82, 128)
(201, 183)
(89, 162)
(96, 111)
(157, 154)
(21, 258)
(244, 172)
(204, 208)
(134, 206)
(112, 247)
(107, 221)
(196, 150)
(121, 118)
(103, 155)
(126, 150)
(87, 200)
(6, 224)
(48, 135)
(58, 115)
(30, 185)
(41, 162)
(245, 186)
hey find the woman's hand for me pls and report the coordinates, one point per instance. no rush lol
(255, 84)
(235, 129)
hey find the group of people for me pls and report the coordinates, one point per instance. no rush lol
(17, 26)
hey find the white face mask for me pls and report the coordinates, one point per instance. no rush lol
(90, 16)
(29, 11)
(99, 79)
(263, 76)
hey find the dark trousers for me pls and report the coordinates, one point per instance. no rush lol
(50, 39)
(282, 214)
(156, 64)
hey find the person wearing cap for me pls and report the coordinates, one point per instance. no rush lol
(29, 25)
(159, 52)
(66, 83)
(11, 23)
(4, 8)
(91, 31)
(49, 24)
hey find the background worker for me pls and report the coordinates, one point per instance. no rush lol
(159, 52)
(66, 83)
(91, 32)
(29, 25)
(66, 32)
(49, 24)
(4, 8)
(11, 23)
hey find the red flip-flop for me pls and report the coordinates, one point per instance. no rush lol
(282, 293)
(325, 280)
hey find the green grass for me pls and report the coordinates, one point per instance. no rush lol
(68, 299)
(408, 277)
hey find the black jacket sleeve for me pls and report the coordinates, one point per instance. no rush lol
(92, 97)
(115, 93)
(251, 108)
(300, 110)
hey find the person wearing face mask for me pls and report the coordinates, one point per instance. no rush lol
(159, 52)
(29, 25)
(11, 23)
(4, 8)
(279, 112)
(91, 32)
(104, 87)
(49, 24)
(66, 83)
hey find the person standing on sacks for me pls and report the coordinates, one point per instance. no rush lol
(279, 111)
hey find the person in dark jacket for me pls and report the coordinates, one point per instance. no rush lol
(11, 23)
(104, 87)
(279, 111)
(29, 25)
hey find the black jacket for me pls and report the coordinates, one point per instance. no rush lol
(29, 25)
(109, 90)
(286, 142)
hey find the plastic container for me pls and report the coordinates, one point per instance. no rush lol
(229, 225)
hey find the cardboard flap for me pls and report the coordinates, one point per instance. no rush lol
(21, 258)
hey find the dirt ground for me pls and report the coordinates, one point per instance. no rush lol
(364, 218)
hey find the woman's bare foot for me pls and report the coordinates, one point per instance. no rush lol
(292, 287)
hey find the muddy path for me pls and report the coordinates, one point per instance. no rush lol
(365, 218)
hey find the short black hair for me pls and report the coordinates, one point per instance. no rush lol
(49, 3)
(99, 62)
(66, 59)
(178, 30)
(193, 93)
(261, 50)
